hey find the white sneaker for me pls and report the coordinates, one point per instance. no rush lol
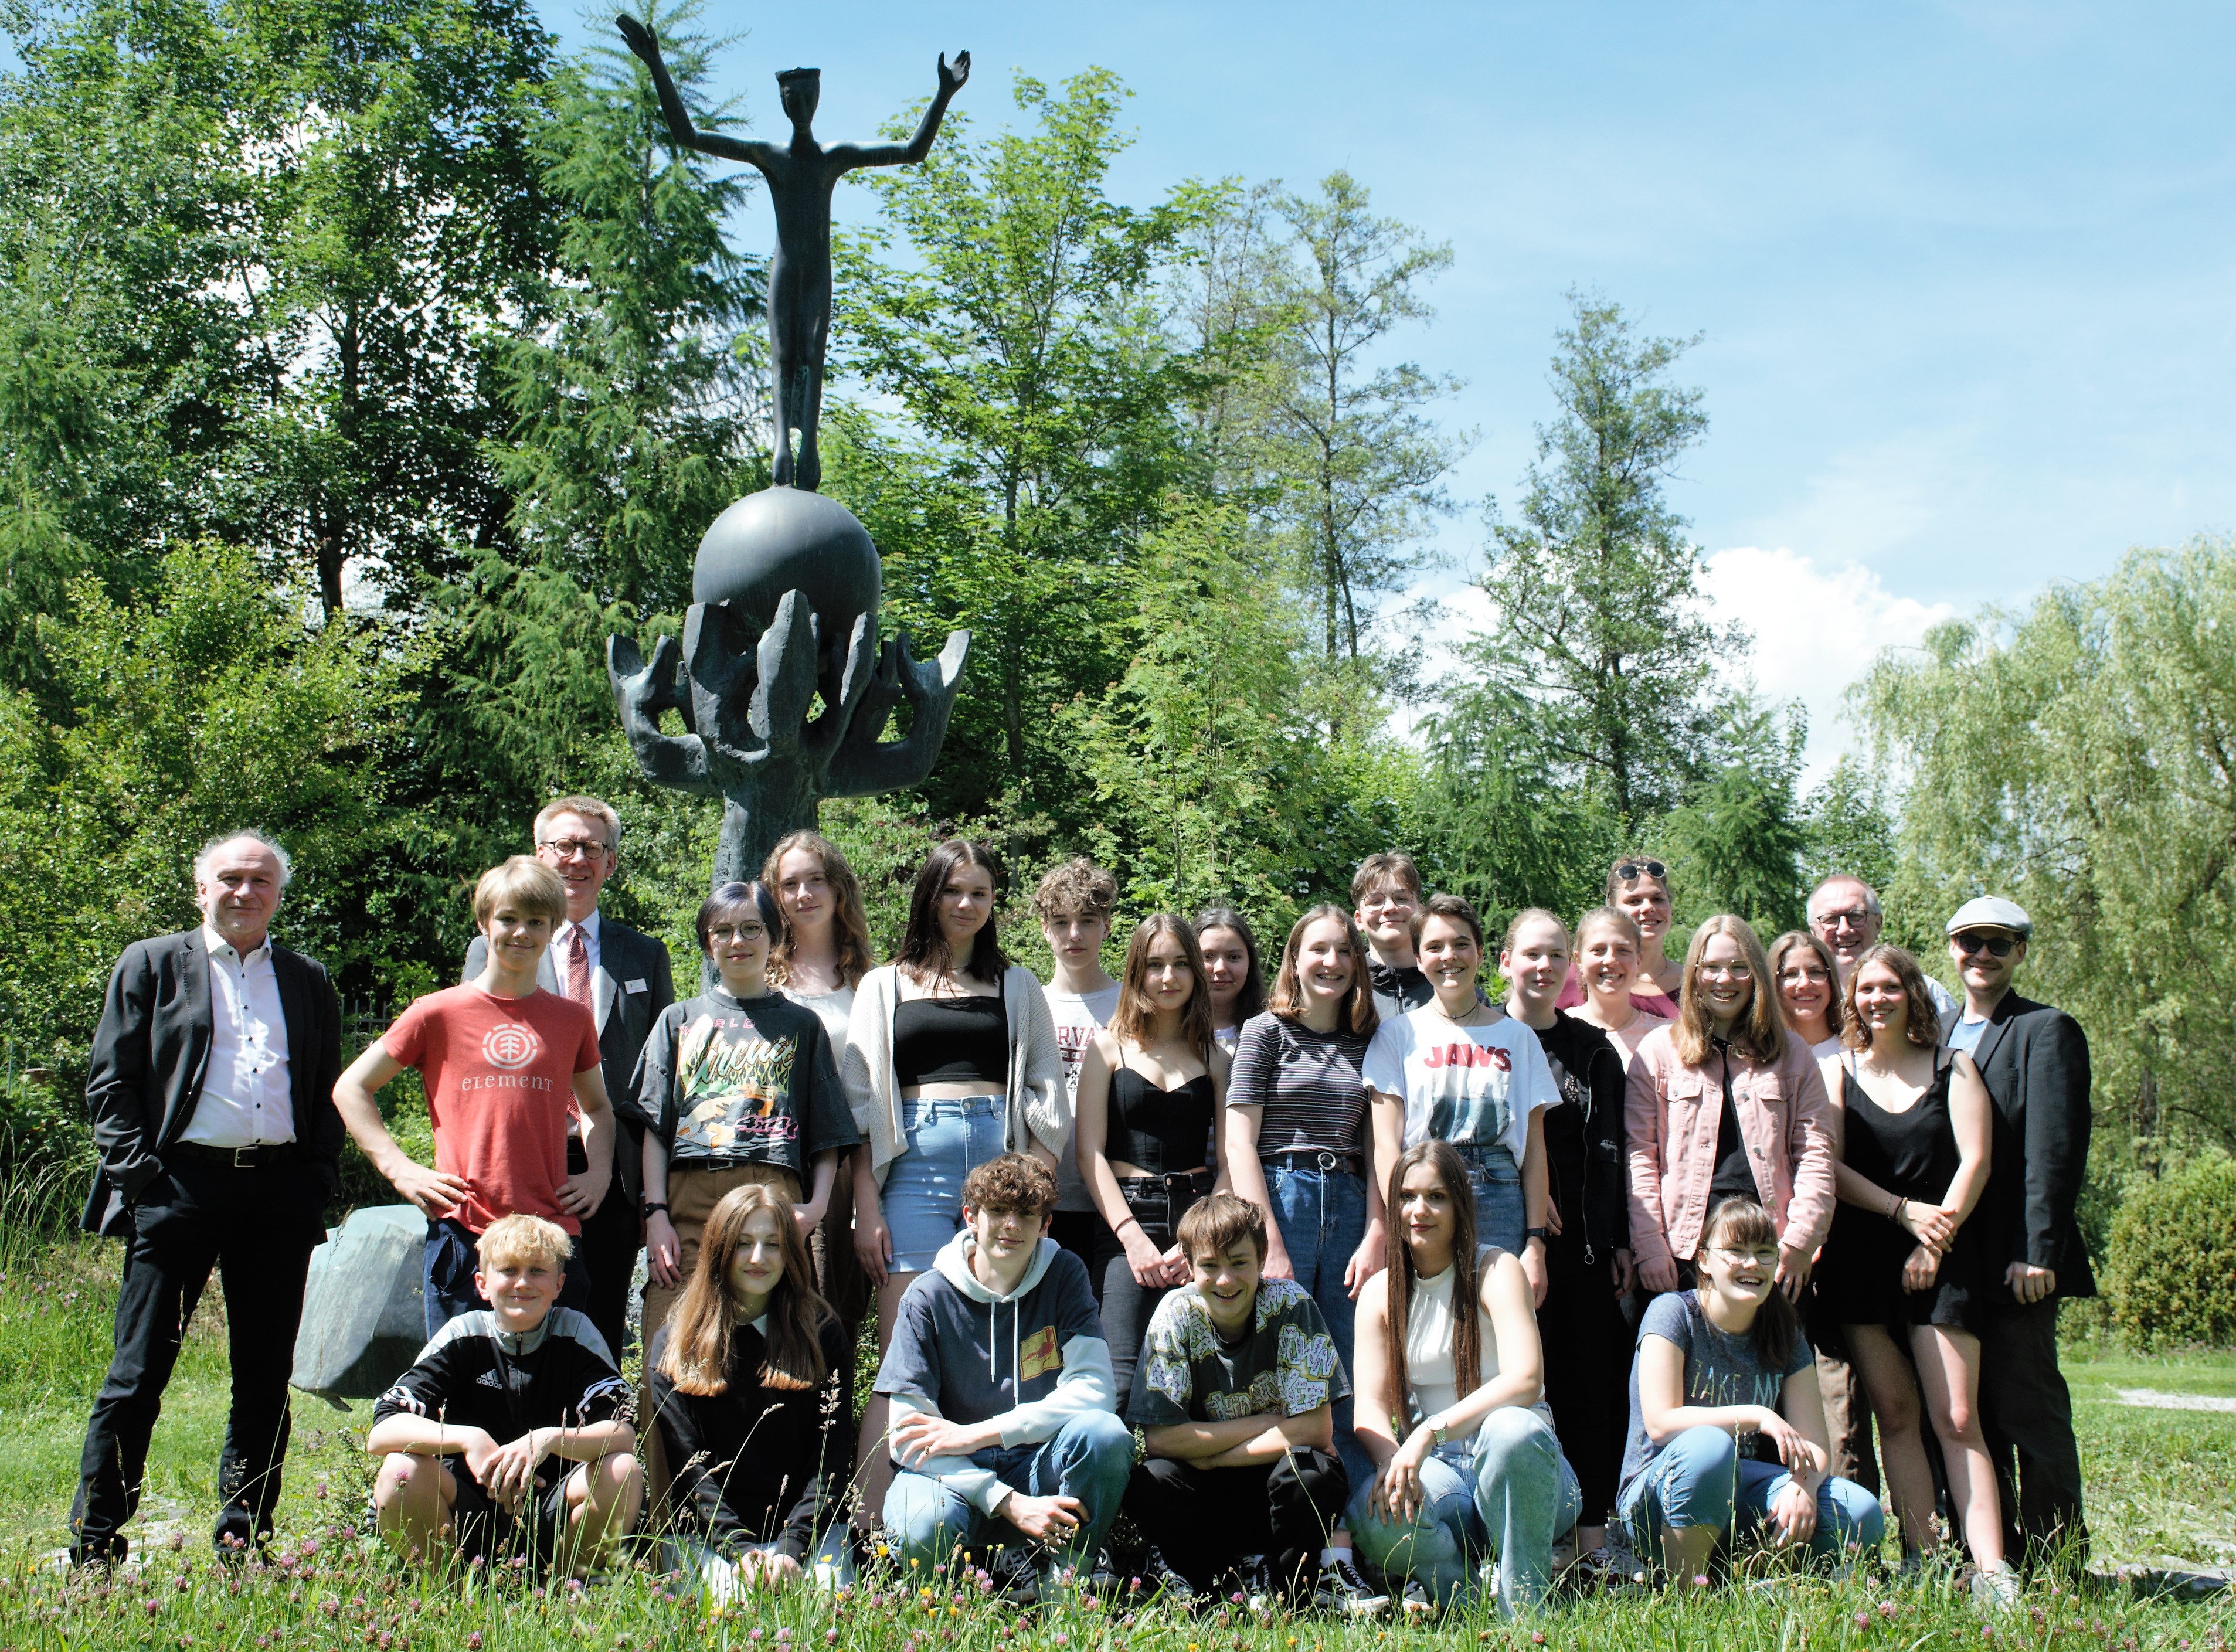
(2001, 1590)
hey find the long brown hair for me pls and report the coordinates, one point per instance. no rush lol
(1287, 998)
(1251, 1000)
(1760, 1031)
(1835, 1008)
(1742, 1222)
(850, 920)
(1135, 1016)
(1467, 1274)
(924, 954)
(697, 1358)
(1922, 1026)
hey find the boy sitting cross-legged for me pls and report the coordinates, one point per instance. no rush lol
(524, 1395)
(1236, 1398)
(1000, 1384)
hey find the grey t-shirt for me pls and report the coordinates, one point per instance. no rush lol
(1286, 1363)
(1077, 1015)
(1720, 1370)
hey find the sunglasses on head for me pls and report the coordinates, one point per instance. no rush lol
(1993, 945)
(1630, 870)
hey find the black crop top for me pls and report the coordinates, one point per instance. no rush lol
(952, 1040)
(1159, 1130)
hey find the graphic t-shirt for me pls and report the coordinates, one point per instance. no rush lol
(500, 1080)
(1720, 1370)
(1463, 1084)
(1077, 1016)
(741, 1078)
(1285, 1363)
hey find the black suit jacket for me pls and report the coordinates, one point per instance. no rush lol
(636, 984)
(151, 1053)
(2034, 1060)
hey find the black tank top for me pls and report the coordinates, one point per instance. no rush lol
(1161, 1130)
(1912, 1153)
(952, 1040)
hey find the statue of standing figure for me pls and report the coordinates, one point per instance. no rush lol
(801, 176)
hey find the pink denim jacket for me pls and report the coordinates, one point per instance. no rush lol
(1672, 1113)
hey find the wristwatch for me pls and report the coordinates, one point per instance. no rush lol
(1545, 1234)
(1437, 1428)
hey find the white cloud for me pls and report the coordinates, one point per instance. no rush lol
(1816, 630)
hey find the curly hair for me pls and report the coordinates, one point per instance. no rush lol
(1013, 1181)
(1921, 1026)
(1078, 888)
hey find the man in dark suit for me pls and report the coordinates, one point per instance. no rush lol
(212, 1097)
(623, 977)
(2035, 1061)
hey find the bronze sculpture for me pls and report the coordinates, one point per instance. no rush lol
(785, 590)
(801, 176)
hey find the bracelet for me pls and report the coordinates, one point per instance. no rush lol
(1121, 1226)
(648, 1208)
(1895, 1202)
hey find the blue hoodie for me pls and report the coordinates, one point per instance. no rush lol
(1031, 1360)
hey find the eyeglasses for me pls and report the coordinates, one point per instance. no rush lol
(1993, 945)
(736, 933)
(1759, 1258)
(1855, 919)
(568, 848)
(1803, 975)
(1727, 971)
(1630, 869)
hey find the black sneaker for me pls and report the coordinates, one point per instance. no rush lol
(1260, 1588)
(1340, 1589)
(1158, 1578)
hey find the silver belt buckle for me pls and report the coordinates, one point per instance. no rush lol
(241, 1164)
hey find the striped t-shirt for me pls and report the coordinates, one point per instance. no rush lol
(1308, 1084)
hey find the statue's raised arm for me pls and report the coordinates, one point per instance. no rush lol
(640, 41)
(850, 155)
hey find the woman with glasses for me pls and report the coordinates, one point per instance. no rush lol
(1727, 1427)
(1637, 887)
(1808, 991)
(1723, 1103)
(1608, 946)
(1903, 1270)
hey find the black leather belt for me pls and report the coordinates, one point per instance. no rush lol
(1352, 1164)
(726, 1162)
(251, 1158)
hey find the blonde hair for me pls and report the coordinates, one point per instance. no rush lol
(1759, 1032)
(526, 883)
(1608, 917)
(849, 922)
(513, 1241)
(589, 809)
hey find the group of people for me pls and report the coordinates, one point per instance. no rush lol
(1405, 1289)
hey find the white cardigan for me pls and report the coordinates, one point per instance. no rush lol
(1040, 1103)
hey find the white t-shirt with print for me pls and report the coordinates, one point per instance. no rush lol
(1077, 1016)
(1474, 1085)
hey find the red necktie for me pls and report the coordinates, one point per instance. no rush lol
(578, 970)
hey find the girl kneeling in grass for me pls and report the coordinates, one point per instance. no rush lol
(1726, 1425)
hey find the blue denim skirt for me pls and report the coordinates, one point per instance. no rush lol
(944, 1141)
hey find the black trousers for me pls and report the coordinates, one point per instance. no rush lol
(1157, 1203)
(608, 1243)
(2027, 1413)
(1587, 1345)
(1205, 1520)
(258, 1229)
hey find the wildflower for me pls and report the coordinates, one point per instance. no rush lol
(474, 1641)
(830, 1637)
(1863, 1620)
(1886, 1609)
(1536, 1637)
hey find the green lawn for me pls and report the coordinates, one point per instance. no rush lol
(2162, 1487)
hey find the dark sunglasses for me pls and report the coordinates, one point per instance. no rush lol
(1993, 945)
(1629, 870)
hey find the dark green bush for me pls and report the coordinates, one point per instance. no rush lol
(2171, 1270)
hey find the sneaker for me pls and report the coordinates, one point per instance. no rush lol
(1058, 1583)
(1340, 1589)
(1102, 1578)
(2000, 1590)
(1564, 1555)
(1158, 1578)
(1260, 1589)
(1415, 1602)
(1012, 1575)
(1622, 1572)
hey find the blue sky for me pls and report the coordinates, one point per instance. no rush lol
(1964, 271)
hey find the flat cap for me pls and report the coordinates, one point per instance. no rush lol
(1991, 911)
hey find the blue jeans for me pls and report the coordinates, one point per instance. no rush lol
(1699, 1479)
(447, 1267)
(1507, 1492)
(1090, 1458)
(944, 1141)
(1501, 1218)
(1323, 1219)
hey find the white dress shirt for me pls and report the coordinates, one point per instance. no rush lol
(562, 938)
(246, 1094)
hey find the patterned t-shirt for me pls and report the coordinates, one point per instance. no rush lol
(1287, 1364)
(742, 1078)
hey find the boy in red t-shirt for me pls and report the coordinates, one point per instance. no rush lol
(505, 1063)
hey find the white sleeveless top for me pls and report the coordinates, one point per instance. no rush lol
(833, 1009)
(1428, 1327)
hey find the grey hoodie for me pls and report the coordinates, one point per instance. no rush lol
(1030, 1360)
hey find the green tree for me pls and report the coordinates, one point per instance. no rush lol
(1364, 461)
(1736, 841)
(2080, 758)
(1018, 334)
(1596, 588)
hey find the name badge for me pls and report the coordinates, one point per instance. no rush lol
(637, 985)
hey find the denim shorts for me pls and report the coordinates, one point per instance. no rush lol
(1501, 1217)
(943, 1141)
